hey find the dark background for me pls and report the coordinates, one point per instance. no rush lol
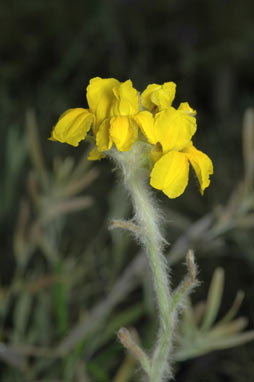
(49, 51)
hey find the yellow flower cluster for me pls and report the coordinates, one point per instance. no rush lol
(119, 116)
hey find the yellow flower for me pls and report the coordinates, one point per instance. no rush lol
(72, 126)
(158, 97)
(172, 128)
(117, 103)
(170, 173)
(171, 136)
(117, 113)
(100, 96)
(114, 111)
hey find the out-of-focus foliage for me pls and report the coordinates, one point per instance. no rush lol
(199, 335)
(67, 283)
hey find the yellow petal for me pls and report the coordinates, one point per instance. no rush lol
(170, 174)
(202, 165)
(158, 97)
(100, 96)
(103, 140)
(95, 155)
(72, 126)
(184, 106)
(123, 132)
(126, 101)
(145, 121)
(174, 129)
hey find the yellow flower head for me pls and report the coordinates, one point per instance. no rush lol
(171, 136)
(72, 126)
(100, 96)
(170, 173)
(120, 116)
(172, 128)
(158, 97)
(116, 106)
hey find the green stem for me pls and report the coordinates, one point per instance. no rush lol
(152, 241)
(147, 216)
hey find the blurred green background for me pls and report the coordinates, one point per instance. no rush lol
(58, 258)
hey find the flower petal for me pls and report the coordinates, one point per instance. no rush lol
(72, 126)
(123, 132)
(174, 129)
(95, 154)
(126, 101)
(170, 174)
(103, 140)
(184, 106)
(145, 121)
(100, 95)
(158, 97)
(202, 165)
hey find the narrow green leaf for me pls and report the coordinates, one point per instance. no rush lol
(214, 299)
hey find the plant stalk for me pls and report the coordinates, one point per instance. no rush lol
(147, 217)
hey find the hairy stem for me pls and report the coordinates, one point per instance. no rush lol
(129, 343)
(147, 216)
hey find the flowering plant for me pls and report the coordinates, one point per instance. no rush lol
(118, 116)
(144, 133)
